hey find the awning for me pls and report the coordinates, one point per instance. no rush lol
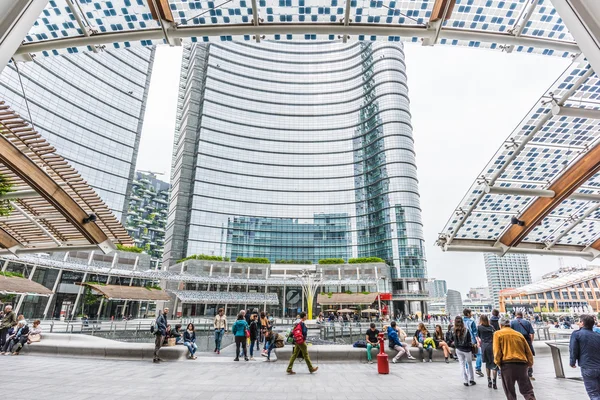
(205, 297)
(134, 293)
(16, 285)
(345, 298)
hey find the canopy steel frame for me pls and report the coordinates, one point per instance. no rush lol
(565, 97)
(298, 28)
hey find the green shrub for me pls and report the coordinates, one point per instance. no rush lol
(130, 249)
(293, 262)
(204, 257)
(365, 260)
(253, 260)
(10, 274)
(153, 287)
(332, 261)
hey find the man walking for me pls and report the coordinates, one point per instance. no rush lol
(513, 355)
(9, 320)
(524, 327)
(584, 351)
(161, 333)
(300, 332)
(472, 327)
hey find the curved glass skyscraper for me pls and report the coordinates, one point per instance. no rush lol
(296, 151)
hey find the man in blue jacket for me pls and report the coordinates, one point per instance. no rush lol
(584, 351)
(396, 344)
(161, 333)
(472, 327)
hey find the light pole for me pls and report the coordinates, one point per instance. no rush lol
(310, 281)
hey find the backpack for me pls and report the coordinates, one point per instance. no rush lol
(297, 334)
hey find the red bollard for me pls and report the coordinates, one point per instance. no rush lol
(383, 365)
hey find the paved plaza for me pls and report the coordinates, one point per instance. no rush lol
(39, 377)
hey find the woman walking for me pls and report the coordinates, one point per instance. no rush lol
(420, 339)
(220, 325)
(461, 339)
(439, 339)
(189, 340)
(254, 334)
(486, 334)
(239, 329)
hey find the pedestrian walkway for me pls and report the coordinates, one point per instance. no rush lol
(221, 378)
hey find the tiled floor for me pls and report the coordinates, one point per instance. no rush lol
(36, 377)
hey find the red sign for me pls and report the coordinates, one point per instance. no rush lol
(385, 296)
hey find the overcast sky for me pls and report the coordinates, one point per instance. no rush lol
(464, 103)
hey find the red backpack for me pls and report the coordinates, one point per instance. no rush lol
(297, 334)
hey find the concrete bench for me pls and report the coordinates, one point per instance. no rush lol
(73, 345)
(348, 353)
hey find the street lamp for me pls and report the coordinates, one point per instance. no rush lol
(310, 281)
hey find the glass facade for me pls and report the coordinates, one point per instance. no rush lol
(295, 151)
(90, 107)
(508, 271)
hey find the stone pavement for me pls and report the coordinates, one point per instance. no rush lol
(218, 377)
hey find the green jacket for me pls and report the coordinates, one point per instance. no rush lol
(8, 320)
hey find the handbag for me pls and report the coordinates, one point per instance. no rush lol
(171, 341)
(474, 349)
(34, 338)
(247, 333)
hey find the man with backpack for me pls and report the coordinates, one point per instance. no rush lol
(299, 334)
(160, 331)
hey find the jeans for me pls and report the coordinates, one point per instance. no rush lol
(300, 348)
(158, 341)
(401, 351)
(252, 341)
(3, 336)
(192, 347)
(270, 348)
(240, 340)
(591, 380)
(478, 360)
(422, 353)
(218, 338)
(369, 347)
(466, 365)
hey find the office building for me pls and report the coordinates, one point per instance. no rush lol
(297, 151)
(568, 290)
(90, 107)
(147, 213)
(508, 271)
(437, 288)
(454, 303)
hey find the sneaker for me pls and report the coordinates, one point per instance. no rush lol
(466, 384)
(394, 360)
(252, 359)
(314, 370)
(410, 357)
(430, 360)
(194, 358)
(290, 372)
(424, 360)
(268, 359)
(236, 359)
(494, 386)
(245, 358)
(215, 350)
(532, 378)
(264, 353)
(472, 383)
(156, 361)
(447, 361)
(479, 373)
(489, 383)
(218, 351)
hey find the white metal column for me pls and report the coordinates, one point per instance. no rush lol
(582, 18)
(16, 18)
(54, 288)
(78, 295)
